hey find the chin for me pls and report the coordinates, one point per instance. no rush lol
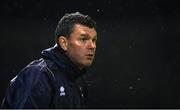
(87, 64)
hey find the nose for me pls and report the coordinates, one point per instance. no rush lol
(92, 45)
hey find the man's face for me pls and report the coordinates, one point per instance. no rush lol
(81, 45)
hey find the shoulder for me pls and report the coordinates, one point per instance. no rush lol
(34, 78)
(30, 86)
(32, 73)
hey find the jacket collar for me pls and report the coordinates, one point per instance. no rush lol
(56, 54)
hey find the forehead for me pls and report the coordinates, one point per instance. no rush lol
(82, 29)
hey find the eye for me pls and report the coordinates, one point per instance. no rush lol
(94, 40)
(83, 39)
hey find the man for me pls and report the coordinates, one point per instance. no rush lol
(51, 82)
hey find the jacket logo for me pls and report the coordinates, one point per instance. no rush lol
(61, 91)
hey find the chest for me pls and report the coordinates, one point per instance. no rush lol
(68, 96)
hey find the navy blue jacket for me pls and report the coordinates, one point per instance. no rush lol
(50, 82)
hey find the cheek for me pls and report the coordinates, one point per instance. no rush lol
(77, 48)
(77, 52)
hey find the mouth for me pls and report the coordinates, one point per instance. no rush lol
(90, 56)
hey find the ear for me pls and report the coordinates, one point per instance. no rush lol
(63, 42)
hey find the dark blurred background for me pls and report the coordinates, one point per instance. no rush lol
(137, 63)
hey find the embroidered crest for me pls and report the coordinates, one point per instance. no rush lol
(61, 91)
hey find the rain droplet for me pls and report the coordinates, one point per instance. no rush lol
(103, 49)
(99, 10)
(137, 30)
(162, 28)
(109, 2)
(20, 6)
(138, 79)
(44, 18)
(89, 84)
(130, 46)
(103, 30)
(130, 87)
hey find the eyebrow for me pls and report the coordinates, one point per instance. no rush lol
(88, 35)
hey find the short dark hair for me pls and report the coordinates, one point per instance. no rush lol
(67, 22)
